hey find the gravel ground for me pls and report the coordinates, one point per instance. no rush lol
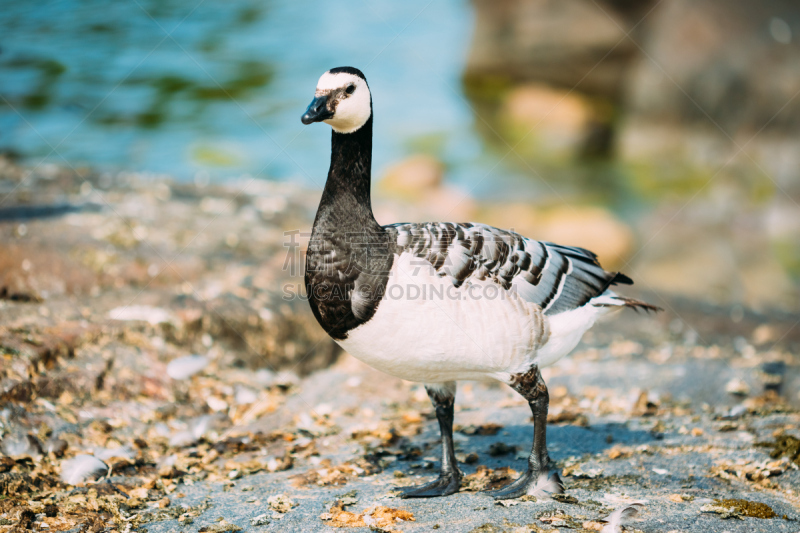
(153, 377)
(614, 459)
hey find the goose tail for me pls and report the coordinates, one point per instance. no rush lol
(609, 299)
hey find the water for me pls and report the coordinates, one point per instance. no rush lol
(218, 87)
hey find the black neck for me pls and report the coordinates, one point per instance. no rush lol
(349, 252)
(346, 203)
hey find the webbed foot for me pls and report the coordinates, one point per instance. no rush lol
(444, 485)
(538, 484)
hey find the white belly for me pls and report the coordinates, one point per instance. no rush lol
(425, 329)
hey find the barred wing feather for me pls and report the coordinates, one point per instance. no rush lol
(555, 277)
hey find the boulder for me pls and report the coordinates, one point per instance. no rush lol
(724, 64)
(554, 123)
(717, 76)
(565, 43)
(412, 177)
(689, 80)
(593, 228)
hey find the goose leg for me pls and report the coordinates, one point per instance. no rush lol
(538, 480)
(442, 397)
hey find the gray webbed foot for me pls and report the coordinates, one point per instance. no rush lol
(541, 485)
(446, 484)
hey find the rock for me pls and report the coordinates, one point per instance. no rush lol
(737, 508)
(561, 42)
(197, 429)
(557, 122)
(182, 439)
(13, 484)
(497, 449)
(56, 446)
(720, 61)
(141, 313)
(220, 528)
(12, 390)
(737, 387)
(593, 228)
(217, 206)
(279, 464)
(686, 78)
(216, 404)
(713, 71)
(260, 520)
(736, 412)
(281, 503)
(413, 176)
(21, 445)
(187, 366)
(446, 202)
(245, 396)
(31, 273)
(77, 382)
(710, 260)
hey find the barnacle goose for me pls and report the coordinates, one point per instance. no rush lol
(486, 303)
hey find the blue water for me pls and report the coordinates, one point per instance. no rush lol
(216, 88)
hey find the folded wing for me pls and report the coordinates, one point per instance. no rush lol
(555, 277)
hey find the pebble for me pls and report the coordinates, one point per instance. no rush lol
(736, 412)
(260, 520)
(500, 448)
(182, 439)
(142, 313)
(187, 366)
(21, 444)
(56, 446)
(737, 387)
(281, 503)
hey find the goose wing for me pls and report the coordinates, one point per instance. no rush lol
(557, 278)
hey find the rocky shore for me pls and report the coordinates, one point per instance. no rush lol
(691, 81)
(159, 371)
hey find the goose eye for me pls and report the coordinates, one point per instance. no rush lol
(350, 89)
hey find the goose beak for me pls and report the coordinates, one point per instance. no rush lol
(317, 110)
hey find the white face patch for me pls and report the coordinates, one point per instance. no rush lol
(352, 110)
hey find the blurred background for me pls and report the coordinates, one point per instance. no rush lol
(663, 135)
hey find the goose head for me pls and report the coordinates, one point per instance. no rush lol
(342, 100)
